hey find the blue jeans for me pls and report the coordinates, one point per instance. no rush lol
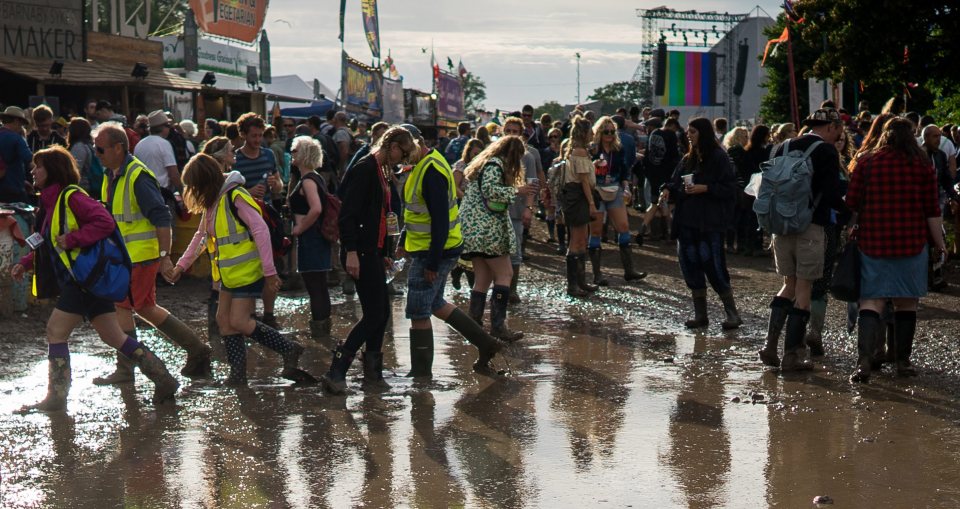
(424, 297)
(702, 259)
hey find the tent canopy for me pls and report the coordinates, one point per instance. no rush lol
(318, 108)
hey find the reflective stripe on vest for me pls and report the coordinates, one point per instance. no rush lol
(72, 225)
(237, 259)
(139, 234)
(415, 214)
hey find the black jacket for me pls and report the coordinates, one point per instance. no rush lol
(706, 212)
(361, 192)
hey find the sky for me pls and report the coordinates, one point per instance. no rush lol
(523, 50)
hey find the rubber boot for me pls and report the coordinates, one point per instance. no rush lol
(906, 328)
(514, 296)
(627, 260)
(478, 301)
(121, 375)
(778, 317)
(573, 288)
(198, 353)
(455, 277)
(373, 372)
(794, 351)
(236, 349)
(320, 329)
(421, 353)
(561, 239)
(487, 345)
(869, 329)
(700, 319)
(814, 339)
(582, 274)
(498, 316)
(58, 386)
(165, 386)
(595, 258)
(335, 379)
(289, 350)
(733, 319)
(349, 285)
(470, 276)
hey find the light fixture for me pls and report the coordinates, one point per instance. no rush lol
(140, 70)
(209, 79)
(56, 69)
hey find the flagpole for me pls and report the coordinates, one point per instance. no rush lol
(794, 104)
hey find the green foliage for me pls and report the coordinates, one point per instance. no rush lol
(552, 108)
(622, 94)
(168, 12)
(474, 93)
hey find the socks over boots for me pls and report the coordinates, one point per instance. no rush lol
(582, 274)
(869, 330)
(733, 319)
(814, 339)
(289, 350)
(487, 345)
(595, 257)
(421, 352)
(778, 318)
(699, 311)
(198, 353)
(573, 288)
(165, 386)
(514, 296)
(335, 380)
(794, 351)
(237, 359)
(373, 372)
(478, 301)
(906, 328)
(627, 260)
(58, 386)
(498, 316)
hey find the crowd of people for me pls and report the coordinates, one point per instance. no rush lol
(358, 201)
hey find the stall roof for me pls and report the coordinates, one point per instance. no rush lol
(92, 73)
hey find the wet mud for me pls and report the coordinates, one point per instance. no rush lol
(605, 403)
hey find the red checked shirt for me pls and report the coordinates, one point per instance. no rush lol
(893, 207)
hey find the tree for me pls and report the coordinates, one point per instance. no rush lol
(552, 108)
(165, 17)
(474, 92)
(622, 94)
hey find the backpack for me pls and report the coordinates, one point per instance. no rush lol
(785, 201)
(279, 242)
(104, 268)
(329, 222)
(331, 156)
(555, 177)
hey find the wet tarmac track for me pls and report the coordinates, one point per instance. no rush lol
(603, 404)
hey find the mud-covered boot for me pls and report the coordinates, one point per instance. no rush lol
(58, 386)
(121, 375)
(236, 349)
(456, 276)
(514, 296)
(733, 319)
(373, 372)
(320, 329)
(498, 316)
(869, 329)
(487, 345)
(421, 353)
(335, 379)
(700, 319)
(627, 260)
(595, 261)
(794, 351)
(814, 339)
(778, 317)
(582, 274)
(573, 289)
(198, 353)
(165, 385)
(478, 301)
(906, 328)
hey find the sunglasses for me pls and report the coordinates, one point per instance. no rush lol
(608, 132)
(553, 137)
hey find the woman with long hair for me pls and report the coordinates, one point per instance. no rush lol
(85, 224)
(470, 151)
(756, 152)
(896, 180)
(494, 178)
(613, 185)
(221, 149)
(80, 145)
(244, 261)
(578, 199)
(313, 250)
(871, 140)
(363, 253)
(704, 189)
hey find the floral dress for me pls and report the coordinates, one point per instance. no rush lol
(487, 233)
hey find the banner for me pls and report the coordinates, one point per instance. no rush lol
(362, 88)
(211, 56)
(449, 97)
(371, 25)
(343, 13)
(241, 20)
(392, 101)
(51, 30)
(690, 79)
(419, 106)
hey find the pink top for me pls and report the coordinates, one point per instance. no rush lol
(95, 223)
(251, 218)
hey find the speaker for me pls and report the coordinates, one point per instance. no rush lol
(660, 76)
(742, 55)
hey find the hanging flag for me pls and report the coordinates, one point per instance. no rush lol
(436, 68)
(449, 63)
(791, 12)
(343, 13)
(784, 37)
(371, 25)
(461, 70)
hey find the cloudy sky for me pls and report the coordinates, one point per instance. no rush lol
(523, 50)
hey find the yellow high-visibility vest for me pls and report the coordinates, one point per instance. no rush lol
(236, 259)
(416, 217)
(139, 234)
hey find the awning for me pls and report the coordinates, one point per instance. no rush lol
(94, 74)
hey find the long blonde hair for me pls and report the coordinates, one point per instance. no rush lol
(509, 150)
(598, 128)
(580, 135)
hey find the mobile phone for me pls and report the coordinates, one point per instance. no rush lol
(34, 241)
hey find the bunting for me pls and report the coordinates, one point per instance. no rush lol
(784, 37)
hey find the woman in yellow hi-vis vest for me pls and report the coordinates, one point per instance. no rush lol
(244, 259)
(83, 223)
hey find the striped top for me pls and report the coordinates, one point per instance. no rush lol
(253, 170)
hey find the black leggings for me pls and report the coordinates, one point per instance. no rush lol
(375, 303)
(316, 283)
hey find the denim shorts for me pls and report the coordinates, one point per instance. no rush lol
(423, 298)
(615, 203)
(253, 290)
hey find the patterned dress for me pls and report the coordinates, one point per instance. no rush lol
(486, 233)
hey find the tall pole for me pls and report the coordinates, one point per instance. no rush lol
(578, 78)
(794, 96)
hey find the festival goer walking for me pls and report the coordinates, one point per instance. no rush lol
(521, 210)
(80, 144)
(43, 134)
(85, 223)
(471, 150)
(896, 181)
(556, 229)
(704, 190)
(755, 153)
(578, 202)
(660, 160)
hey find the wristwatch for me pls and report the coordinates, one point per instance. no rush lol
(164, 254)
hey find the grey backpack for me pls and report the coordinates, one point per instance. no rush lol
(783, 204)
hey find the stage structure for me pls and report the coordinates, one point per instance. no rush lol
(698, 62)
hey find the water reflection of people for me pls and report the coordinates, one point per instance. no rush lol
(433, 481)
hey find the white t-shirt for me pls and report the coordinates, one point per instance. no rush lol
(157, 154)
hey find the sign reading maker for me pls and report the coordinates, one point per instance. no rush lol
(44, 29)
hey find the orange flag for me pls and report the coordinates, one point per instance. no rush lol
(784, 37)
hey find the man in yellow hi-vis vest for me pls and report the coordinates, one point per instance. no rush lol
(432, 239)
(131, 194)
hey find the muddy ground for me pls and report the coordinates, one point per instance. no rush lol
(607, 402)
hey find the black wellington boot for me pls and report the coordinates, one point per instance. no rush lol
(869, 328)
(627, 260)
(595, 261)
(778, 318)
(335, 379)
(573, 288)
(700, 319)
(906, 329)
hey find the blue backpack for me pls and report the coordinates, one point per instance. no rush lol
(102, 269)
